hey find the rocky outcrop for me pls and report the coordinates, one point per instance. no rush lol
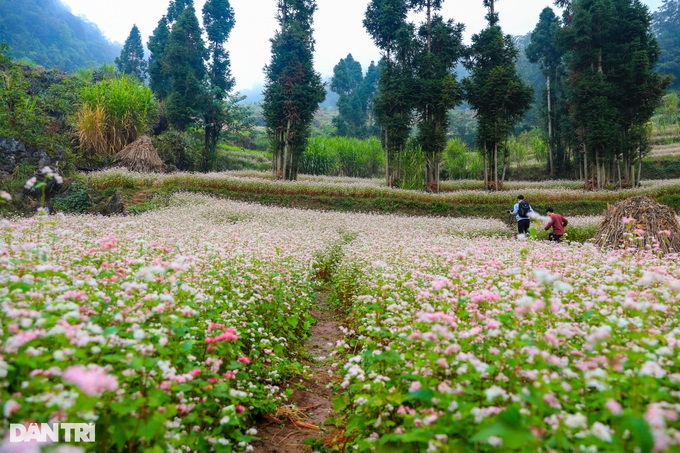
(13, 152)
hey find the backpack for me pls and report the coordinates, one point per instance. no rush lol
(523, 209)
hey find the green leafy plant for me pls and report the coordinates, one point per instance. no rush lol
(77, 199)
(113, 113)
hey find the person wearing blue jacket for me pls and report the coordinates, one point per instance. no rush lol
(521, 211)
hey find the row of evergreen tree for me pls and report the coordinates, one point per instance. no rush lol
(601, 87)
(598, 61)
(418, 86)
(191, 77)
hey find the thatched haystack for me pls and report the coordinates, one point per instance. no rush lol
(640, 222)
(141, 156)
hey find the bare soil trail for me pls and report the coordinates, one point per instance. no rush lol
(311, 404)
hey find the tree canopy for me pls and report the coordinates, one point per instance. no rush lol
(48, 34)
(355, 96)
(131, 60)
(667, 28)
(185, 57)
(613, 89)
(496, 92)
(293, 88)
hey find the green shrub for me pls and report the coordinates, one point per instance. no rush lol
(179, 149)
(343, 156)
(114, 113)
(667, 167)
(75, 199)
(411, 161)
(460, 162)
(581, 233)
(666, 120)
(319, 158)
(233, 158)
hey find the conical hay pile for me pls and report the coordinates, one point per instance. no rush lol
(141, 156)
(652, 225)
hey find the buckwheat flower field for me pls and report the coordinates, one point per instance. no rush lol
(173, 330)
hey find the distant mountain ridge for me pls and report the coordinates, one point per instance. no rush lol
(47, 33)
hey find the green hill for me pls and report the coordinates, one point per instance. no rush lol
(48, 34)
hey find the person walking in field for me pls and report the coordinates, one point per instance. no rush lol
(521, 211)
(557, 223)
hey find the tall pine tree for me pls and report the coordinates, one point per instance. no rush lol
(436, 88)
(159, 70)
(613, 89)
(185, 57)
(496, 92)
(293, 89)
(543, 49)
(347, 81)
(131, 60)
(218, 20)
(176, 8)
(385, 22)
(667, 29)
(159, 81)
(369, 90)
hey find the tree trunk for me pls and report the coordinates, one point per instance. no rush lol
(585, 163)
(599, 61)
(292, 173)
(632, 172)
(387, 160)
(639, 175)
(495, 166)
(597, 169)
(486, 168)
(429, 27)
(206, 150)
(505, 165)
(285, 149)
(550, 131)
(436, 170)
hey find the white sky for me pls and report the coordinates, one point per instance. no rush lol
(337, 24)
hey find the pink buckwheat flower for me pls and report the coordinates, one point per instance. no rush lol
(613, 406)
(93, 380)
(10, 408)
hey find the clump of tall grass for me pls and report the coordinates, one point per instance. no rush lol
(343, 156)
(411, 164)
(666, 120)
(232, 158)
(113, 113)
(461, 162)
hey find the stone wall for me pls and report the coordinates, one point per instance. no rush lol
(13, 152)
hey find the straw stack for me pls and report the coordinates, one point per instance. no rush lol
(652, 225)
(141, 156)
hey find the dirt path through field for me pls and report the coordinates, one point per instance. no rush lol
(312, 402)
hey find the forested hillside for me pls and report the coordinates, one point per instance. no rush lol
(48, 34)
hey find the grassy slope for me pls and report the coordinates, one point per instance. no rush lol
(371, 196)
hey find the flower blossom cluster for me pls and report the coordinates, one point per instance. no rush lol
(474, 343)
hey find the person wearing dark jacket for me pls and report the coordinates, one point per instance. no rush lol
(557, 223)
(521, 211)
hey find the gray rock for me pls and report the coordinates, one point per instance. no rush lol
(14, 152)
(116, 204)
